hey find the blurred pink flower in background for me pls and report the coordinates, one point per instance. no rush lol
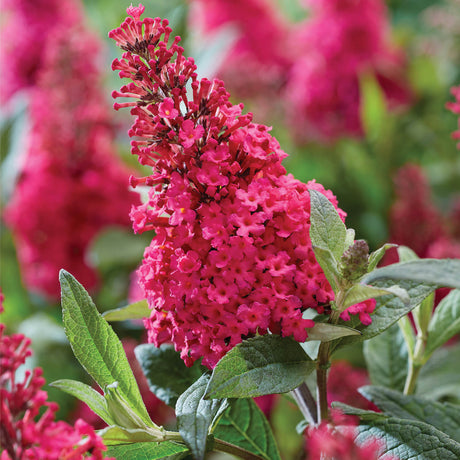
(454, 107)
(414, 219)
(27, 29)
(312, 68)
(343, 382)
(416, 222)
(257, 60)
(337, 440)
(340, 42)
(72, 185)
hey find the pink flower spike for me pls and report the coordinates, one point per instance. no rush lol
(188, 133)
(231, 256)
(135, 11)
(166, 109)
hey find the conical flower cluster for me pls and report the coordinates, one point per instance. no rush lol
(232, 256)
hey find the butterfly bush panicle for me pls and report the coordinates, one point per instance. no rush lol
(70, 171)
(22, 54)
(231, 257)
(416, 222)
(336, 46)
(28, 429)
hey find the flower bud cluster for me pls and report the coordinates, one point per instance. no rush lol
(232, 256)
(355, 260)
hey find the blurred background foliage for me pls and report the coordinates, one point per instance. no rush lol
(359, 171)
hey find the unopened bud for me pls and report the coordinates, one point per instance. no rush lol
(355, 260)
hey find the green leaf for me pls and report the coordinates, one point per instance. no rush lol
(114, 435)
(445, 322)
(195, 416)
(387, 358)
(145, 450)
(363, 414)
(409, 439)
(376, 256)
(440, 376)
(359, 293)
(167, 375)
(243, 424)
(388, 310)
(350, 238)
(125, 416)
(95, 401)
(327, 231)
(407, 331)
(327, 262)
(95, 344)
(406, 254)
(136, 310)
(259, 366)
(403, 438)
(443, 416)
(440, 272)
(423, 313)
(326, 332)
(373, 106)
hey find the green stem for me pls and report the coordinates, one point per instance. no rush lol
(415, 364)
(219, 445)
(323, 363)
(173, 436)
(322, 367)
(224, 446)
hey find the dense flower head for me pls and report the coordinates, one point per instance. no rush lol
(28, 429)
(341, 42)
(337, 440)
(71, 185)
(232, 256)
(455, 108)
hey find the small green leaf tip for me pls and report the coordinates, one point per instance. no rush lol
(355, 260)
(125, 416)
